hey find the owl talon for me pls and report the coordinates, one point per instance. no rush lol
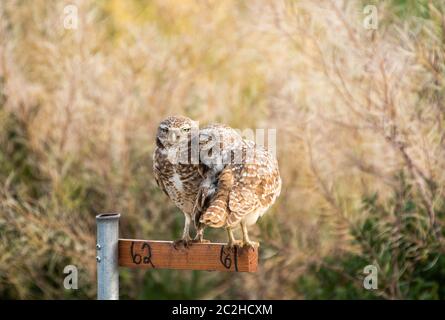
(233, 244)
(250, 244)
(184, 243)
(200, 241)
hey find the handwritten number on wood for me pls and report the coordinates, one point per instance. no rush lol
(140, 252)
(147, 258)
(137, 258)
(225, 257)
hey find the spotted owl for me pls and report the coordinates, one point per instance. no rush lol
(244, 188)
(174, 171)
(179, 171)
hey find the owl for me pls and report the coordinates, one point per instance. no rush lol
(181, 174)
(214, 176)
(244, 188)
(217, 142)
(175, 172)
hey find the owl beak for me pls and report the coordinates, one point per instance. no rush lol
(172, 136)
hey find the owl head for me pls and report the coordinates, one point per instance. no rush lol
(175, 131)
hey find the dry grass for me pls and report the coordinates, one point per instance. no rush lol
(79, 108)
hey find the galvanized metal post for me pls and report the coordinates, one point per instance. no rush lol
(107, 256)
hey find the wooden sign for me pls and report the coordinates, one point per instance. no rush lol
(151, 254)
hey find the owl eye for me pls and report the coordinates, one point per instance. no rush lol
(185, 129)
(164, 129)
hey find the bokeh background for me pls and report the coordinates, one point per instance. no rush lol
(359, 113)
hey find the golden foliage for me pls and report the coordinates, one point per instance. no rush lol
(352, 107)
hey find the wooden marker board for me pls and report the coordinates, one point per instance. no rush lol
(150, 254)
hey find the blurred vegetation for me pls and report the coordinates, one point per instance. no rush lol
(396, 237)
(360, 116)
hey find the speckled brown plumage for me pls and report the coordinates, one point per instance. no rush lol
(233, 183)
(180, 180)
(245, 189)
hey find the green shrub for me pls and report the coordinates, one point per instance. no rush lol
(397, 237)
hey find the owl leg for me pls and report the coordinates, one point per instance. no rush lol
(185, 240)
(232, 241)
(200, 235)
(246, 240)
(197, 211)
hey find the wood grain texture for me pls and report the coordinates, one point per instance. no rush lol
(150, 254)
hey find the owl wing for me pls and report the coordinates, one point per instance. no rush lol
(242, 198)
(157, 172)
(216, 205)
(257, 185)
(202, 197)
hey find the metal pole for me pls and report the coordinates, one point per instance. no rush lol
(107, 256)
